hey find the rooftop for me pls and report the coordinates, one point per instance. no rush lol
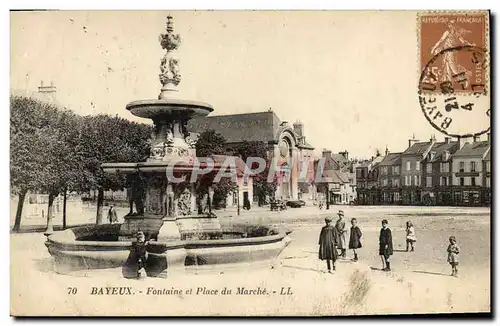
(236, 128)
(334, 176)
(478, 149)
(441, 148)
(418, 148)
(391, 159)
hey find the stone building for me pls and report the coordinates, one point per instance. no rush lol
(390, 178)
(286, 144)
(437, 173)
(411, 168)
(367, 173)
(338, 178)
(468, 176)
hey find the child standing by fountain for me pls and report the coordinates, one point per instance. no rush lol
(141, 253)
(355, 238)
(328, 244)
(453, 251)
(135, 265)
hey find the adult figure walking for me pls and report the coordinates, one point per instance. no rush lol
(341, 233)
(327, 244)
(112, 216)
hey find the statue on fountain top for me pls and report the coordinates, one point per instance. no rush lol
(170, 76)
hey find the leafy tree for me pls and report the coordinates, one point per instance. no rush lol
(261, 186)
(33, 142)
(106, 139)
(211, 143)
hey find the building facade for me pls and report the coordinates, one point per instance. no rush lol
(469, 178)
(390, 179)
(437, 173)
(286, 144)
(367, 176)
(448, 173)
(337, 183)
(411, 170)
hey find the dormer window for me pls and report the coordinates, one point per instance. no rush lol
(446, 155)
(432, 154)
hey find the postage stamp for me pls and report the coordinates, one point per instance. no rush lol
(454, 72)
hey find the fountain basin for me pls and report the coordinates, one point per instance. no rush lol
(78, 249)
(152, 109)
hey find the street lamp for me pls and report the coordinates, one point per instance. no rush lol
(238, 198)
(327, 195)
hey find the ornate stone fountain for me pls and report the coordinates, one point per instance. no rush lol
(164, 208)
(175, 215)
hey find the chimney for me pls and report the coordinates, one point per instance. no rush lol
(345, 154)
(461, 142)
(433, 139)
(476, 139)
(48, 91)
(447, 140)
(412, 141)
(386, 151)
(298, 127)
(327, 153)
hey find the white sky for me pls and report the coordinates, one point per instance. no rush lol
(350, 77)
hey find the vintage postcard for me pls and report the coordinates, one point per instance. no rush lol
(250, 163)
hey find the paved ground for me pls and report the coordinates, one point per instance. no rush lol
(420, 281)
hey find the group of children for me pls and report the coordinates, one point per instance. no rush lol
(333, 238)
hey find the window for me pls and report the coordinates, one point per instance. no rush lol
(417, 166)
(488, 182)
(444, 181)
(472, 166)
(408, 166)
(429, 167)
(462, 167)
(462, 181)
(395, 182)
(385, 182)
(407, 180)
(488, 166)
(415, 180)
(419, 180)
(428, 182)
(396, 196)
(445, 167)
(397, 169)
(472, 181)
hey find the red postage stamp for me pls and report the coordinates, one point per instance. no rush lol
(453, 51)
(454, 71)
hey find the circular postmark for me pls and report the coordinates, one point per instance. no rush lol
(453, 91)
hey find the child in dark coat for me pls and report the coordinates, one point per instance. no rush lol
(355, 238)
(453, 251)
(135, 265)
(328, 244)
(385, 245)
